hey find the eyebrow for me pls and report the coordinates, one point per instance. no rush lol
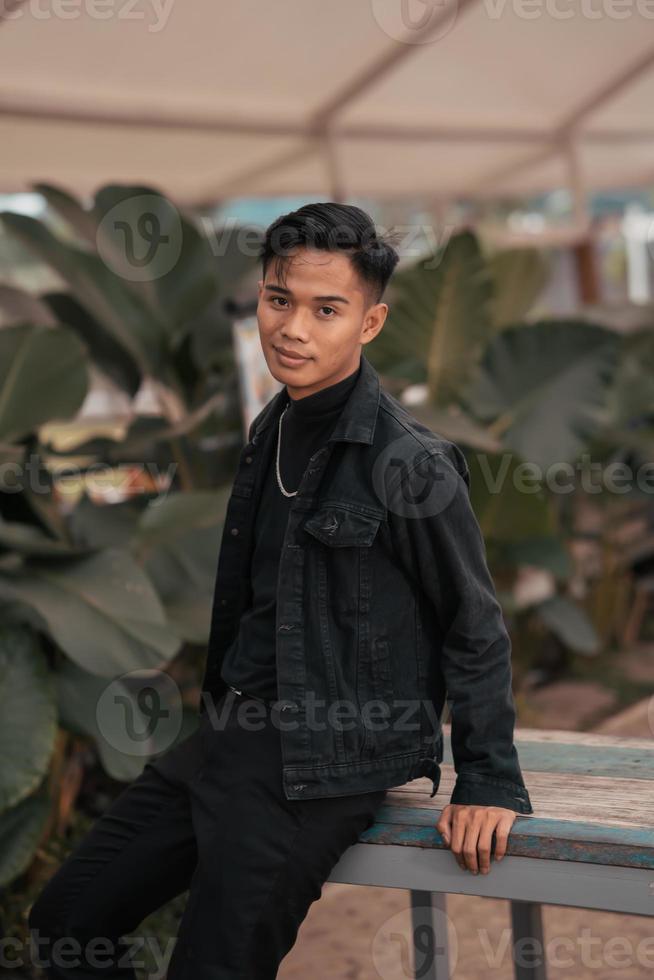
(323, 299)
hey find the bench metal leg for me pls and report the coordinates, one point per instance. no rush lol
(529, 957)
(431, 960)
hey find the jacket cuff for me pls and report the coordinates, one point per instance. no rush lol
(474, 789)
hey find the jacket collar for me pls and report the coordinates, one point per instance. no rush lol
(357, 421)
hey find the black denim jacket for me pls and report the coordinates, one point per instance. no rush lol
(385, 608)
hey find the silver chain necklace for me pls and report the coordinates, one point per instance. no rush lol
(287, 493)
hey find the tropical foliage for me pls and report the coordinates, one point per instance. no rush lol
(90, 591)
(538, 404)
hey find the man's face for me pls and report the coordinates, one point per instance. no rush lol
(321, 312)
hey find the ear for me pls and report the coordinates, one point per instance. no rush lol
(373, 321)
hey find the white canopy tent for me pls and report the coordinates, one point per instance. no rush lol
(379, 98)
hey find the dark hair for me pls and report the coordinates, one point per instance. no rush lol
(333, 227)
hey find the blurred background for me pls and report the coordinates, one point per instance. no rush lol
(508, 145)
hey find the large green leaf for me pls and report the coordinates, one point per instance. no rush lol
(455, 425)
(181, 271)
(102, 610)
(107, 296)
(236, 248)
(79, 694)
(183, 267)
(508, 506)
(438, 319)
(127, 728)
(27, 539)
(179, 540)
(518, 275)
(21, 830)
(167, 518)
(210, 338)
(176, 539)
(106, 352)
(27, 714)
(631, 397)
(105, 525)
(43, 376)
(570, 623)
(17, 306)
(73, 213)
(183, 571)
(544, 387)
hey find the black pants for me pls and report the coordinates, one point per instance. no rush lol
(210, 816)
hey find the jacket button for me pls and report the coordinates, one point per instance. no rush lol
(234, 531)
(223, 602)
(248, 459)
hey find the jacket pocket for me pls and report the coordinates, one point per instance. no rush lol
(342, 528)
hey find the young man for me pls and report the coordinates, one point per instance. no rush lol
(352, 595)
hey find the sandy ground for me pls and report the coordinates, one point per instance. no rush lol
(355, 933)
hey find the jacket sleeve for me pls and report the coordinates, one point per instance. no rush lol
(438, 540)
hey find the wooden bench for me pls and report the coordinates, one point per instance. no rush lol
(588, 844)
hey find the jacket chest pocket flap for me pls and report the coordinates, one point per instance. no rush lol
(342, 528)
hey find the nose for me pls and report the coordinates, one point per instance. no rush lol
(296, 325)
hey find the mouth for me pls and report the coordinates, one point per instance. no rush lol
(289, 354)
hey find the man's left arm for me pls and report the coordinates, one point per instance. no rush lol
(439, 541)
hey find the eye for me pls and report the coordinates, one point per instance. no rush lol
(280, 298)
(328, 308)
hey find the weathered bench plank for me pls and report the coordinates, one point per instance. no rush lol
(530, 837)
(556, 796)
(580, 753)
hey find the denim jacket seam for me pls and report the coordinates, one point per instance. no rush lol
(478, 777)
(353, 763)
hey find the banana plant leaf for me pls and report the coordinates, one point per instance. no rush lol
(519, 275)
(29, 540)
(102, 610)
(43, 376)
(128, 724)
(154, 246)
(27, 714)
(178, 541)
(167, 518)
(108, 297)
(21, 830)
(17, 306)
(105, 525)
(543, 388)
(570, 623)
(508, 507)
(438, 320)
(106, 352)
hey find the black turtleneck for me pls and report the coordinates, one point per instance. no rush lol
(307, 423)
